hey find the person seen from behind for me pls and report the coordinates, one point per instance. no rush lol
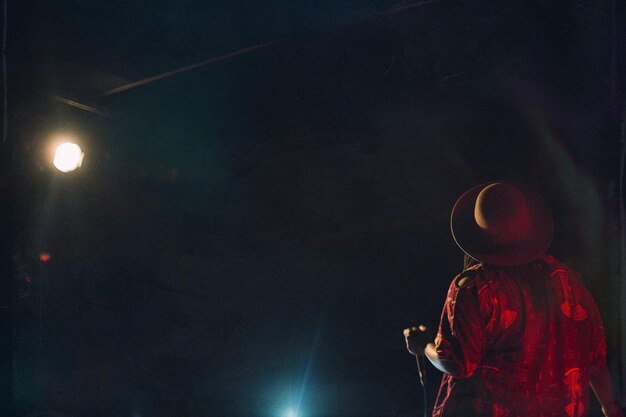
(519, 335)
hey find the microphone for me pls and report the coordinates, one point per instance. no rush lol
(421, 369)
(419, 334)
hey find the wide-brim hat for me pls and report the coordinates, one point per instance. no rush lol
(502, 223)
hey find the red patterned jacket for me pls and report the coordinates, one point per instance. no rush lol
(520, 341)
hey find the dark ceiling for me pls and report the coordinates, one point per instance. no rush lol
(253, 234)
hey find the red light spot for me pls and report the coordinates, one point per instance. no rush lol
(28, 279)
(44, 257)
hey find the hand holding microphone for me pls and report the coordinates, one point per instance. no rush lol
(417, 337)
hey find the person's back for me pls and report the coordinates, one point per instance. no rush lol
(519, 334)
(521, 341)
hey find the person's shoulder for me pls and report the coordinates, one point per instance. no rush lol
(468, 278)
(556, 266)
(552, 261)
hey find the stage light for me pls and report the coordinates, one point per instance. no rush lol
(68, 157)
(291, 413)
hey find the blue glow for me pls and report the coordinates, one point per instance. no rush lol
(308, 371)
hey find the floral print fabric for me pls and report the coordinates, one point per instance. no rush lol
(519, 341)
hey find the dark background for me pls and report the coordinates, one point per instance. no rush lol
(253, 235)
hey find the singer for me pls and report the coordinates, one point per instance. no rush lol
(519, 334)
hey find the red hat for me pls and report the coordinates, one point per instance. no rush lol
(502, 224)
